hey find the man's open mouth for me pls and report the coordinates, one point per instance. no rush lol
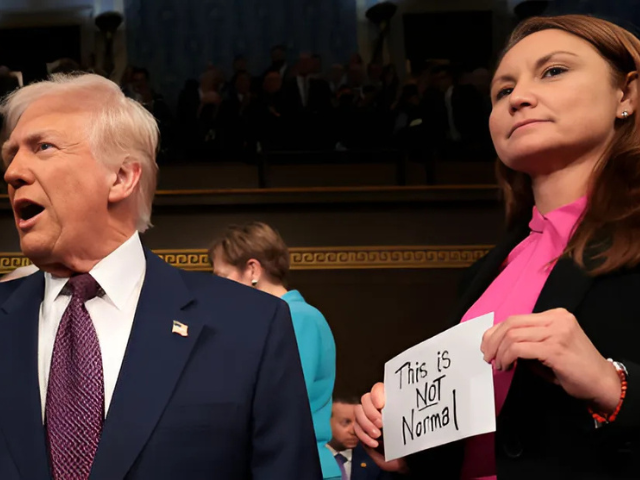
(27, 210)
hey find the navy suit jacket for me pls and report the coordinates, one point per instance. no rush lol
(226, 402)
(364, 468)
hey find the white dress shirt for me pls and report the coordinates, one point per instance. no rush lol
(120, 275)
(303, 88)
(348, 454)
(454, 134)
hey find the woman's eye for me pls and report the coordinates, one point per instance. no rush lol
(554, 71)
(503, 93)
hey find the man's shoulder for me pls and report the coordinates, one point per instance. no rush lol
(219, 293)
(8, 288)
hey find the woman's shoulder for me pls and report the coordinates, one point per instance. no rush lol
(299, 306)
(304, 315)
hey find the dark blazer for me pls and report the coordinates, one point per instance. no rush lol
(319, 96)
(542, 432)
(363, 468)
(224, 402)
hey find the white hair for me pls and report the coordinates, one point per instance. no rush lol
(121, 130)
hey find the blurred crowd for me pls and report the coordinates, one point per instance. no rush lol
(441, 111)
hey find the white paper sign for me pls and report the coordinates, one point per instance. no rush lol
(439, 391)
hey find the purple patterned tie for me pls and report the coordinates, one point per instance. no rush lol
(75, 395)
(341, 459)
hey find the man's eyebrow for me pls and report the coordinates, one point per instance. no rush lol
(10, 147)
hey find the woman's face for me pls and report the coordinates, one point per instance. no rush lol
(554, 102)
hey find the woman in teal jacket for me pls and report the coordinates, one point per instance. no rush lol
(256, 255)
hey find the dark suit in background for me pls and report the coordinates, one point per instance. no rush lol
(307, 120)
(363, 468)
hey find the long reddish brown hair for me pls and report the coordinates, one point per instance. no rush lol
(608, 236)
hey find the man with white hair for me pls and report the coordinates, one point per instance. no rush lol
(115, 364)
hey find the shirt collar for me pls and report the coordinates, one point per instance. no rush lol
(561, 221)
(117, 283)
(348, 453)
(293, 296)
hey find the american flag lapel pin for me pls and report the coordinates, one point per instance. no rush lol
(180, 328)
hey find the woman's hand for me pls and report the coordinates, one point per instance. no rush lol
(556, 340)
(368, 428)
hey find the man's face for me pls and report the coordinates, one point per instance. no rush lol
(59, 192)
(240, 64)
(140, 82)
(277, 55)
(343, 417)
(272, 82)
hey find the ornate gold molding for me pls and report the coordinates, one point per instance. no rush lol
(324, 258)
(11, 261)
(332, 258)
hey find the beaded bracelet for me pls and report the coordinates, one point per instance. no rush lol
(622, 373)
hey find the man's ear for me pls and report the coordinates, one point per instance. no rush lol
(125, 181)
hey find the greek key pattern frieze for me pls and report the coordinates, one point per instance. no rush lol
(324, 258)
(11, 261)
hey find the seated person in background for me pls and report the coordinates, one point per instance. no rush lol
(354, 462)
(234, 116)
(156, 105)
(255, 255)
(268, 126)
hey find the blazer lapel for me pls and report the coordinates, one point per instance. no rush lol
(153, 363)
(565, 288)
(358, 471)
(20, 409)
(488, 271)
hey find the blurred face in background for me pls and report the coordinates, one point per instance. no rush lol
(278, 56)
(272, 83)
(240, 64)
(140, 82)
(343, 417)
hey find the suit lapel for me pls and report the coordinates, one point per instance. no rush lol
(153, 363)
(565, 288)
(20, 409)
(488, 271)
(358, 472)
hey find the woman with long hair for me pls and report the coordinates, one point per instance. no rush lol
(564, 282)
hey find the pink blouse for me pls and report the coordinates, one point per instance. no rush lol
(515, 291)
